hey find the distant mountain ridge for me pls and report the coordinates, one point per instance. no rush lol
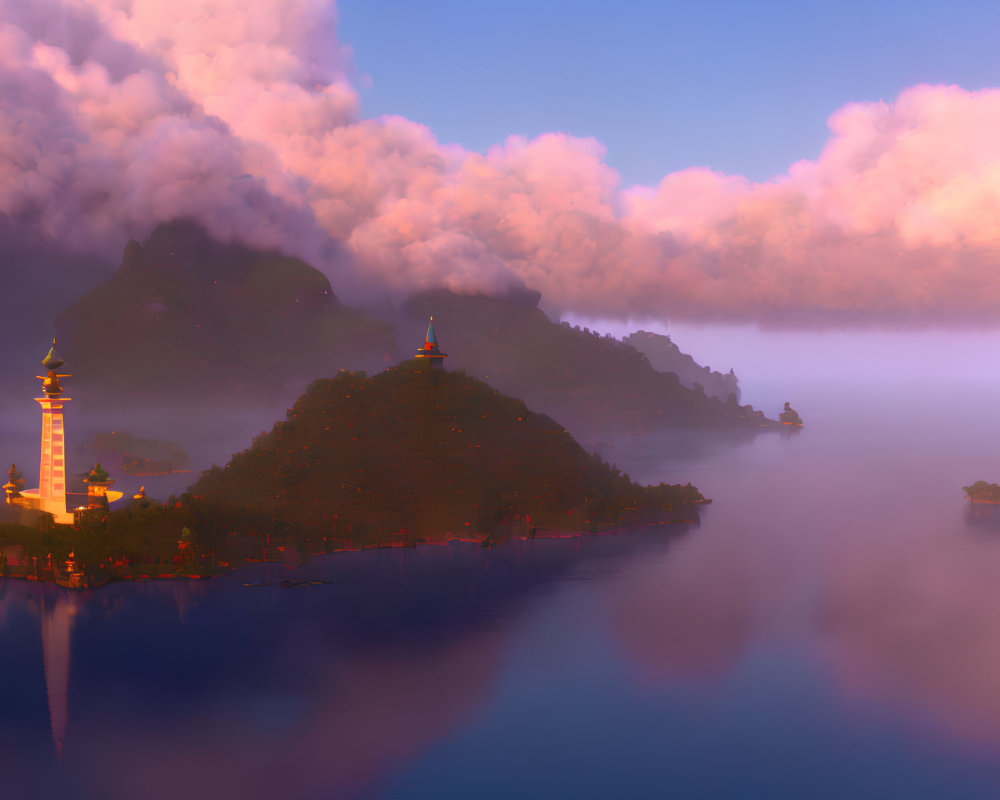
(665, 356)
(587, 381)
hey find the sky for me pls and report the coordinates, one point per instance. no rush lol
(768, 163)
(743, 88)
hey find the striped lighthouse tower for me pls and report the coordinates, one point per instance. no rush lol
(51, 493)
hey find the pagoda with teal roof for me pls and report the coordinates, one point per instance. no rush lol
(431, 351)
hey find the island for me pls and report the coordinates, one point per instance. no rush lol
(415, 454)
(138, 456)
(983, 492)
(790, 416)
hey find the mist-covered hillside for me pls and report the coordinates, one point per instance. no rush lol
(190, 320)
(587, 381)
(665, 356)
(40, 277)
(186, 316)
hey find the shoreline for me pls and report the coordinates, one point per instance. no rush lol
(35, 573)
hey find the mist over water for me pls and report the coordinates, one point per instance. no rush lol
(827, 630)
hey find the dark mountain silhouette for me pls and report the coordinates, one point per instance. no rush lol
(665, 356)
(588, 381)
(187, 315)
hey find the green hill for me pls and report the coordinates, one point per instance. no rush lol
(433, 452)
(589, 382)
(185, 315)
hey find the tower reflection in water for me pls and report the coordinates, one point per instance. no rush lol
(57, 627)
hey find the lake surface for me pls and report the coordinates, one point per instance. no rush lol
(830, 629)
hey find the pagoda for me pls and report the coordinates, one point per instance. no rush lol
(14, 485)
(430, 350)
(50, 496)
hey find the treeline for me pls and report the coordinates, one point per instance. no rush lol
(141, 539)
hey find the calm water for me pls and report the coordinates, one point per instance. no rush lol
(830, 629)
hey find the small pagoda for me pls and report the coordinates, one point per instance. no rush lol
(14, 485)
(431, 351)
(98, 482)
(99, 498)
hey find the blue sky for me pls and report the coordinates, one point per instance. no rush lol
(745, 88)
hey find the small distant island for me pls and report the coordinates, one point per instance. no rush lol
(790, 416)
(983, 492)
(413, 454)
(138, 456)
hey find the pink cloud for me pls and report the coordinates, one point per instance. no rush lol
(118, 114)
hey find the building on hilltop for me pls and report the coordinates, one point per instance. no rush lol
(430, 350)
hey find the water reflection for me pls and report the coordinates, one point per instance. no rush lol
(919, 628)
(854, 543)
(262, 691)
(834, 615)
(985, 516)
(330, 732)
(57, 625)
(671, 628)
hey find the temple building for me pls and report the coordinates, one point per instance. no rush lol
(430, 350)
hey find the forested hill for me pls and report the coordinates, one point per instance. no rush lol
(587, 381)
(427, 450)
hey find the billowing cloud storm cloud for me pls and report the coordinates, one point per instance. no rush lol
(118, 114)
